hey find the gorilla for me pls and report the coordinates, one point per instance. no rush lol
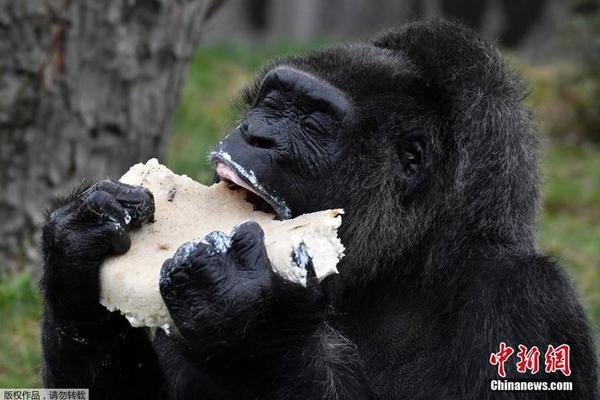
(421, 137)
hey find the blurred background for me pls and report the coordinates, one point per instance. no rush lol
(88, 88)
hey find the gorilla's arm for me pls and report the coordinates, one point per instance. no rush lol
(86, 346)
(253, 333)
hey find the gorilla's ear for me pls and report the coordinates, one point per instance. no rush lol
(490, 144)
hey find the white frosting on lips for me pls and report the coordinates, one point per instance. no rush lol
(188, 211)
(240, 176)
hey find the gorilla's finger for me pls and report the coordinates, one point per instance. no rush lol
(173, 284)
(248, 246)
(247, 229)
(164, 270)
(111, 217)
(106, 219)
(209, 266)
(217, 241)
(183, 253)
(98, 208)
(176, 269)
(172, 274)
(137, 200)
(119, 240)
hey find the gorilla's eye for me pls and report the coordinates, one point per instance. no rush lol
(271, 101)
(312, 125)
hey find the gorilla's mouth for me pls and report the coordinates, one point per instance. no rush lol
(239, 177)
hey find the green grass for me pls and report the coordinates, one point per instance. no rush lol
(20, 307)
(569, 223)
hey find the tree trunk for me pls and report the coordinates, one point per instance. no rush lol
(87, 88)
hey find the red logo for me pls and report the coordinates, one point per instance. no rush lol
(555, 359)
(528, 360)
(501, 357)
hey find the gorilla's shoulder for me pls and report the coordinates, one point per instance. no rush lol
(536, 282)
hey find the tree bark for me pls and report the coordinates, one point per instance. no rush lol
(87, 88)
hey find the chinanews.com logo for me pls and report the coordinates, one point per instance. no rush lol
(556, 361)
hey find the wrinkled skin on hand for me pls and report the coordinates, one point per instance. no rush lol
(223, 294)
(81, 232)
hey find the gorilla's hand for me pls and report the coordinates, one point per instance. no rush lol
(223, 296)
(78, 236)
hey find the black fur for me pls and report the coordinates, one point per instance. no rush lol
(422, 138)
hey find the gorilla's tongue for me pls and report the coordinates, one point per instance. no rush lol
(256, 193)
(227, 173)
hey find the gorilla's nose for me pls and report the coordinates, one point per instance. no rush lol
(255, 137)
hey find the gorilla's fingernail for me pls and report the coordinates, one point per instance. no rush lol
(183, 252)
(218, 241)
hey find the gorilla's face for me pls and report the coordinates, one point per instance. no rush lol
(286, 143)
(299, 142)
(413, 141)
